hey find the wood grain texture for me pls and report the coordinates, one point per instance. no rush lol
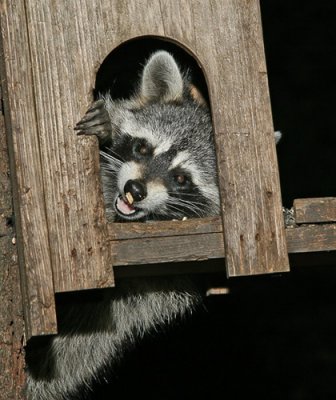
(62, 65)
(30, 211)
(168, 249)
(121, 231)
(196, 240)
(315, 210)
(248, 174)
(310, 238)
(12, 362)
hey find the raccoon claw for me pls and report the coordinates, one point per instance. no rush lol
(96, 121)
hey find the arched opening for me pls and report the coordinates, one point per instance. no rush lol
(119, 72)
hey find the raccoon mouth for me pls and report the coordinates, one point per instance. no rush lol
(124, 207)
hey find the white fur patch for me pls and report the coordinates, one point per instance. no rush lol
(162, 147)
(134, 130)
(181, 157)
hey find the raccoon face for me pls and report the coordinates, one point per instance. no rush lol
(161, 161)
(160, 171)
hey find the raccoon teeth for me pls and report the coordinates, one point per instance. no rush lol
(129, 198)
(124, 207)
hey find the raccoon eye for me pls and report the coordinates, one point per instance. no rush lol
(181, 179)
(142, 149)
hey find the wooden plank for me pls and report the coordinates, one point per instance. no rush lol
(168, 249)
(232, 55)
(142, 248)
(310, 238)
(26, 170)
(315, 210)
(63, 61)
(121, 231)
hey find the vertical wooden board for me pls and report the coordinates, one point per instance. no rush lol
(230, 46)
(63, 64)
(30, 212)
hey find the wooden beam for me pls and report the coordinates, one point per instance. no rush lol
(315, 210)
(311, 238)
(199, 239)
(232, 55)
(122, 231)
(70, 173)
(26, 170)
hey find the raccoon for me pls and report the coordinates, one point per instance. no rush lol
(157, 162)
(158, 158)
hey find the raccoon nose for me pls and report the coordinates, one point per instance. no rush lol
(136, 188)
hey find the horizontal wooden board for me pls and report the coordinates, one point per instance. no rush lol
(189, 241)
(168, 249)
(315, 210)
(121, 231)
(311, 238)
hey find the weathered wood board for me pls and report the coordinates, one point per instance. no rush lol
(322, 209)
(59, 195)
(139, 244)
(30, 210)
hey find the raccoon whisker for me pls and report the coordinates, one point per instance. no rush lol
(188, 206)
(111, 158)
(110, 167)
(191, 202)
(109, 171)
(184, 194)
(175, 214)
(109, 151)
(201, 207)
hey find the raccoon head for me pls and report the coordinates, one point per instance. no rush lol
(161, 163)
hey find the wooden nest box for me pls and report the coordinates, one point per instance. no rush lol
(51, 53)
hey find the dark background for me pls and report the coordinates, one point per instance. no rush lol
(271, 337)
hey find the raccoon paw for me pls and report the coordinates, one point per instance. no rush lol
(96, 121)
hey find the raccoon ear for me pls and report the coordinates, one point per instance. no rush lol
(196, 95)
(161, 79)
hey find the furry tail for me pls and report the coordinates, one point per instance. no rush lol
(94, 335)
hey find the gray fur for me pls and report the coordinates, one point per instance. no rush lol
(161, 79)
(94, 335)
